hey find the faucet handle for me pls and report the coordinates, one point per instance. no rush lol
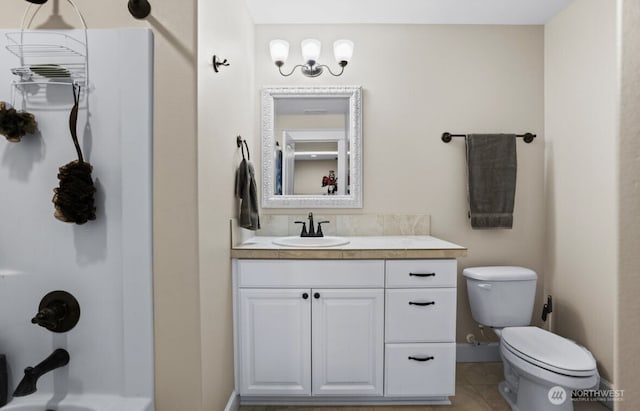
(48, 318)
(303, 233)
(58, 311)
(319, 232)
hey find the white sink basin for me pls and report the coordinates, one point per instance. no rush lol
(326, 241)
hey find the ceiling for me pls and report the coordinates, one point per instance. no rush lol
(404, 11)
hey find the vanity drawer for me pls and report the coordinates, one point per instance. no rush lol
(420, 370)
(420, 315)
(421, 273)
(310, 273)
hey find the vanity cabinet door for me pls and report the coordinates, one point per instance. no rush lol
(275, 341)
(347, 342)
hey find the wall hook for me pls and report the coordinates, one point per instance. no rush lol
(217, 63)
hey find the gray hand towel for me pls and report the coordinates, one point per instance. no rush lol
(492, 167)
(247, 192)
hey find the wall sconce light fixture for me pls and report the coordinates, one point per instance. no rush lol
(342, 50)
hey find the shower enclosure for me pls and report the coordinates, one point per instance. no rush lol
(106, 263)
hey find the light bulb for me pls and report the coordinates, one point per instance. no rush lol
(311, 50)
(279, 51)
(343, 50)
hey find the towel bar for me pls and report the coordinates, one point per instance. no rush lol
(528, 137)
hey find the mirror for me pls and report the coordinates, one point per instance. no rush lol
(311, 147)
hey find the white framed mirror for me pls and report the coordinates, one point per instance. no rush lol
(312, 147)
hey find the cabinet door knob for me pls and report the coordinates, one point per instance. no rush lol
(316, 295)
(305, 296)
(422, 304)
(421, 359)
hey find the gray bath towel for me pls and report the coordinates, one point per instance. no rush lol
(247, 192)
(492, 166)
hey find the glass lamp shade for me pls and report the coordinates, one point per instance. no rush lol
(343, 50)
(279, 50)
(311, 50)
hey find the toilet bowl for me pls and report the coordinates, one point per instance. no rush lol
(541, 368)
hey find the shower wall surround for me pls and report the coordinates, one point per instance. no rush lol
(107, 263)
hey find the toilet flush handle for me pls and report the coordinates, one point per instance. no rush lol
(485, 286)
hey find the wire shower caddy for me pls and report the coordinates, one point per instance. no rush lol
(47, 57)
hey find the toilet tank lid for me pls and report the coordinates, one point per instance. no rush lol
(500, 273)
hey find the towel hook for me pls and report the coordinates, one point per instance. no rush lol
(217, 63)
(239, 141)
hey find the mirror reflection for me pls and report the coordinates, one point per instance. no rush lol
(310, 139)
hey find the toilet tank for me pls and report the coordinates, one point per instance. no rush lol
(501, 296)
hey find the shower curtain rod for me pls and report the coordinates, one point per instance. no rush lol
(528, 137)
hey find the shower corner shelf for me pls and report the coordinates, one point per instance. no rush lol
(48, 58)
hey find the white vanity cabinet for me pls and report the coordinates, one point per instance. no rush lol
(326, 339)
(361, 331)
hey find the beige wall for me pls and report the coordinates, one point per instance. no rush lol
(226, 109)
(581, 114)
(176, 282)
(627, 372)
(418, 82)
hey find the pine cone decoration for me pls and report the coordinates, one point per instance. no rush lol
(74, 199)
(14, 125)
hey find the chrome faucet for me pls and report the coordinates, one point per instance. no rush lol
(59, 358)
(312, 232)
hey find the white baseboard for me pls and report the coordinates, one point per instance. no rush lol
(234, 402)
(606, 385)
(485, 352)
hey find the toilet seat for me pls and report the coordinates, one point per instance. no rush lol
(548, 351)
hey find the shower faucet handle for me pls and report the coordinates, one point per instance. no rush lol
(58, 311)
(49, 317)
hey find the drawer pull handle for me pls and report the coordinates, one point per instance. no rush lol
(422, 274)
(305, 296)
(421, 359)
(422, 304)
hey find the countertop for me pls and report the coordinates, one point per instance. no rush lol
(374, 247)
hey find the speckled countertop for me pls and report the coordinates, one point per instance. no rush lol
(370, 247)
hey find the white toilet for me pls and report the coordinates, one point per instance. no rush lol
(540, 368)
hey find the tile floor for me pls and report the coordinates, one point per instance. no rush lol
(476, 390)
